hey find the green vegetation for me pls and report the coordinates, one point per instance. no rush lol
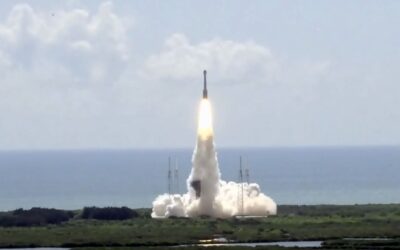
(34, 217)
(330, 223)
(45, 216)
(108, 213)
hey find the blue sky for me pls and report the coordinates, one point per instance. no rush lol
(127, 74)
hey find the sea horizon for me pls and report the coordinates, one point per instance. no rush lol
(72, 179)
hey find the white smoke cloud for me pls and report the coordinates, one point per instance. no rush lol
(218, 198)
(207, 193)
(206, 171)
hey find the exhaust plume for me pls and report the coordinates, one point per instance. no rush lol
(207, 193)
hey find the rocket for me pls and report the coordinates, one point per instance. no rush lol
(196, 184)
(205, 95)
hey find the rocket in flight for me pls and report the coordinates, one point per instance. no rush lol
(205, 94)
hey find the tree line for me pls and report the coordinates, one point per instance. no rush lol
(44, 216)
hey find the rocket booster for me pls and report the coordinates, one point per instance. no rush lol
(205, 94)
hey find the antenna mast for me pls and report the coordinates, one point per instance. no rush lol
(247, 172)
(241, 191)
(169, 176)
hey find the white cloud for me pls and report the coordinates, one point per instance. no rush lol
(57, 67)
(70, 78)
(76, 44)
(228, 61)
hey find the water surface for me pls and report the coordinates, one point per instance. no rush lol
(73, 179)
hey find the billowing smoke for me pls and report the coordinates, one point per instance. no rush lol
(207, 193)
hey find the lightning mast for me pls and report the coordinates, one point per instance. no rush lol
(247, 173)
(169, 176)
(241, 189)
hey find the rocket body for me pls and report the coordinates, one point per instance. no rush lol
(205, 94)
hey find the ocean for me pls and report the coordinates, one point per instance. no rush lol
(72, 179)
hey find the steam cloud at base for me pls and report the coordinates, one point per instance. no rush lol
(207, 193)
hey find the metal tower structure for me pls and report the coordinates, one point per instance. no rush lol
(240, 189)
(247, 173)
(169, 176)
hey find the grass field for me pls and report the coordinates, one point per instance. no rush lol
(328, 223)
